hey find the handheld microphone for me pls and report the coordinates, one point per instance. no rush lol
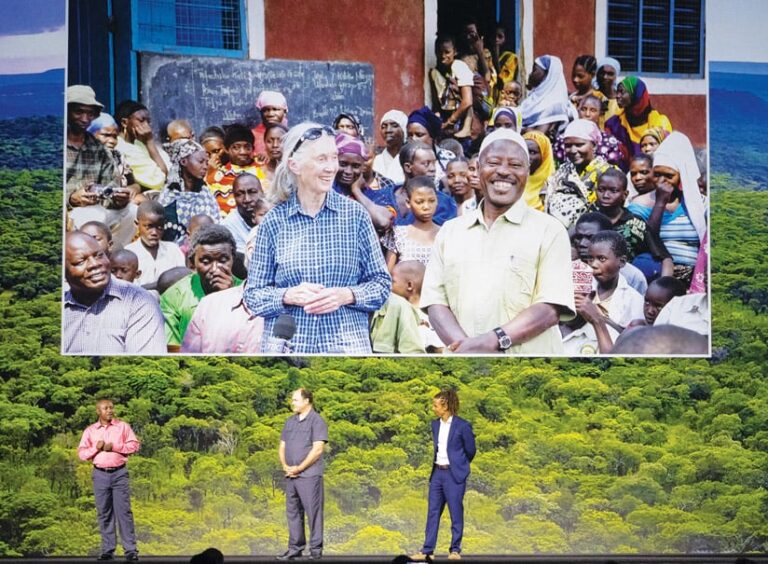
(282, 333)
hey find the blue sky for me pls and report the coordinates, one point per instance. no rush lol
(32, 36)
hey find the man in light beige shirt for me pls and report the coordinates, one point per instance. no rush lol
(499, 279)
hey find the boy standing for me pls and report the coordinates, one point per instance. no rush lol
(155, 255)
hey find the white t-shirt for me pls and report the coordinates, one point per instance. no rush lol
(169, 256)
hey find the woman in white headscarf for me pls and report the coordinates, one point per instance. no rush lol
(605, 83)
(547, 107)
(676, 211)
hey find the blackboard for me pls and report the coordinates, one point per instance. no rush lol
(216, 91)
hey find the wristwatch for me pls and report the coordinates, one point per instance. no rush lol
(504, 341)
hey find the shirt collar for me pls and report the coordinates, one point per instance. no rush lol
(331, 202)
(450, 420)
(110, 291)
(514, 214)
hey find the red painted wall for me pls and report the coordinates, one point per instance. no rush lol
(386, 33)
(564, 29)
(688, 115)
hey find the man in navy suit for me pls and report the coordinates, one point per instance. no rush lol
(454, 449)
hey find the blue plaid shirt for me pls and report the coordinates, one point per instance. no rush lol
(337, 248)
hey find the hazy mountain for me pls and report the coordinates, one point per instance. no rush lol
(38, 94)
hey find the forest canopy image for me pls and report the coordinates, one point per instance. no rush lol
(602, 456)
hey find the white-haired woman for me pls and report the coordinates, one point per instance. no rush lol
(317, 257)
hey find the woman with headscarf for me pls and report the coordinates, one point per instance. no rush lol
(273, 108)
(609, 147)
(506, 117)
(387, 163)
(185, 194)
(317, 258)
(542, 166)
(425, 126)
(347, 122)
(349, 182)
(572, 188)
(676, 210)
(605, 83)
(651, 138)
(635, 114)
(547, 107)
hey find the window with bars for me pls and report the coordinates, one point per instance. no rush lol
(214, 27)
(657, 37)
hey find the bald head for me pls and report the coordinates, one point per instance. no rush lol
(86, 266)
(179, 129)
(661, 340)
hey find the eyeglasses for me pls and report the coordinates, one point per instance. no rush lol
(312, 134)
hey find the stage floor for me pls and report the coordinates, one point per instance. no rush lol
(467, 558)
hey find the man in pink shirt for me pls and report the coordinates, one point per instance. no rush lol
(107, 444)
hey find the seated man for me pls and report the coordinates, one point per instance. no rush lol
(155, 255)
(95, 187)
(148, 161)
(238, 142)
(499, 279)
(104, 315)
(222, 323)
(213, 253)
(246, 189)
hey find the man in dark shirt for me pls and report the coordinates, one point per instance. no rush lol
(301, 455)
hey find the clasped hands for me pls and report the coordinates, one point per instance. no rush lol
(316, 299)
(106, 447)
(291, 471)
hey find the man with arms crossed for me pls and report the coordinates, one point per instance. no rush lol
(454, 448)
(499, 279)
(106, 444)
(301, 455)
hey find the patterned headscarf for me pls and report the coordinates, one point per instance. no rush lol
(348, 145)
(351, 117)
(640, 107)
(178, 151)
(658, 133)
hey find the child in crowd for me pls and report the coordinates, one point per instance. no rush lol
(155, 255)
(660, 293)
(646, 251)
(415, 241)
(451, 84)
(407, 279)
(613, 295)
(125, 265)
(195, 223)
(457, 179)
(101, 233)
(238, 142)
(396, 326)
(511, 94)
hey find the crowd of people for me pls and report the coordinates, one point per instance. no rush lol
(501, 218)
